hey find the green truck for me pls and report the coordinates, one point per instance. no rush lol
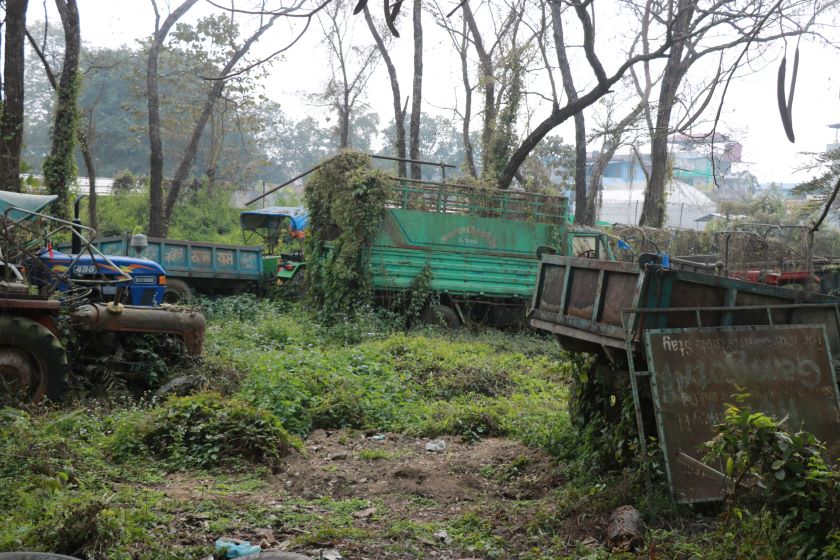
(480, 246)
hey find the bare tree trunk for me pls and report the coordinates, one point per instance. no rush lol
(11, 121)
(157, 226)
(582, 212)
(344, 125)
(611, 144)
(86, 139)
(416, 91)
(60, 165)
(399, 111)
(469, 158)
(190, 151)
(654, 208)
(488, 82)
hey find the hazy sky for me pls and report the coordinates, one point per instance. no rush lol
(750, 109)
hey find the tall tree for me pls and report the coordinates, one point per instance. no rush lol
(60, 165)
(157, 223)
(582, 211)
(699, 32)
(351, 68)
(11, 118)
(214, 93)
(399, 108)
(416, 90)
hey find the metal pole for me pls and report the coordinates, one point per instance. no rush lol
(289, 182)
(263, 200)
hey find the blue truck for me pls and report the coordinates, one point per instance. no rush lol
(218, 268)
(192, 265)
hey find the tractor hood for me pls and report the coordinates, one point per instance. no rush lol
(129, 265)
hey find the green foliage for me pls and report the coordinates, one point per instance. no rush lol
(798, 484)
(602, 411)
(124, 182)
(205, 430)
(346, 202)
(409, 304)
(200, 215)
(366, 376)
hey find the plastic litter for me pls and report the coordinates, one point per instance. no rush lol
(236, 548)
(436, 446)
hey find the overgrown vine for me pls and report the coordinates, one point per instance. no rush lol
(346, 202)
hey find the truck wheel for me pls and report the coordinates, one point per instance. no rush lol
(298, 284)
(434, 314)
(33, 364)
(177, 291)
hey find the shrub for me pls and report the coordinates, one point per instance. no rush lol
(796, 481)
(206, 430)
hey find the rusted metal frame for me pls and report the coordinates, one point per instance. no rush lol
(561, 310)
(762, 289)
(791, 306)
(603, 340)
(729, 301)
(599, 296)
(538, 290)
(87, 247)
(629, 325)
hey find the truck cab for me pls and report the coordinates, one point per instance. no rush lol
(282, 230)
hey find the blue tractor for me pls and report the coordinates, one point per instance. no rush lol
(92, 276)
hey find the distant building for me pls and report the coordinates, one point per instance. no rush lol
(622, 202)
(836, 144)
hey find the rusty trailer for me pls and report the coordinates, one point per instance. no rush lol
(688, 342)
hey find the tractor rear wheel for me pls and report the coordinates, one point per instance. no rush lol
(33, 364)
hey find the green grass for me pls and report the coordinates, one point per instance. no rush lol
(94, 481)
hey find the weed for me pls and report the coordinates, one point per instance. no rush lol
(206, 430)
(375, 455)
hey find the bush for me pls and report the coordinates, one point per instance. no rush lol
(796, 481)
(206, 430)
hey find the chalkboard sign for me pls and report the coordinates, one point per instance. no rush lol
(786, 370)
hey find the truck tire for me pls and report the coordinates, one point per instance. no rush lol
(34, 556)
(177, 291)
(298, 283)
(33, 364)
(434, 314)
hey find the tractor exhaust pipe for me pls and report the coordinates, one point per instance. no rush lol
(76, 241)
(189, 326)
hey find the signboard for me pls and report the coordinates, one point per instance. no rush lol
(786, 370)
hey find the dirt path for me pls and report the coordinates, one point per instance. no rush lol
(385, 496)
